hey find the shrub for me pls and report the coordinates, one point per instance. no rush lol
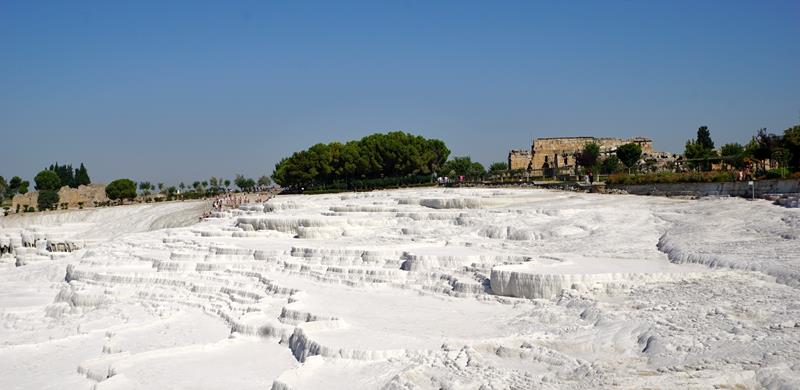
(30, 209)
(669, 177)
(777, 173)
(48, 200)
(121, 189)
(47, 181)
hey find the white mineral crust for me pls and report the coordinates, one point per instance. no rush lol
(406, 289)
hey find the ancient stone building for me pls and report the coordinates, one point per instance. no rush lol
(519, 159)
(86, 196)
(549, 156)
(560, 152)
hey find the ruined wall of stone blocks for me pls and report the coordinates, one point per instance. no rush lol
(519, 159)
(551, 152)
(86, 196)
(24, 201)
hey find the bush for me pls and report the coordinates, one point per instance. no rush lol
(47, 181)
(121, 189)
(48, 200)
(777, 173)
(669, 177)
(30, 209)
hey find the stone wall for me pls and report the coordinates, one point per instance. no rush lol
(739, 188)
(24, 201)
(519, 159)
(88, 196)
(550, 152)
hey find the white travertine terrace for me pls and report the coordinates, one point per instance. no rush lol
(406, 289)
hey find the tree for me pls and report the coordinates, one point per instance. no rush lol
(782, 156)
(48, 199)
(13, 186)
(145, 187)
(47, 180)
(498, 167)
(610, 165)
(82, 176)
(182, 186)
(227, 183)
(23, 187)
(3, 188)
(791, 140)
(243, 183)
(589, 155)
(264, 181)
(160, 187)
(699, 150)
(733, 154)
(704, 138)
(395, 154)
(121, 189)
(629, 154)
(460, 166)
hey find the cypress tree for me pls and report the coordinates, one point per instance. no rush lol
(82, 176)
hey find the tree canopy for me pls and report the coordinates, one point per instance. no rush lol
(47, 200)
(497, 167)
(244, 184)
(629, 154)
(121, 189)
(378, 155)
(589, 156)
(463, 166)
(47, 180)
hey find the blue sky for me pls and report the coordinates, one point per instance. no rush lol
(178, 91)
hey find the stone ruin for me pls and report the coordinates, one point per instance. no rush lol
(85, 195)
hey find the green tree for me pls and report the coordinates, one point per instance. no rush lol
(629, 154)
(782, 156)
(244, 184)
(3, 188)
(145, 188)
(264, 181)
(610, 165)
(47, 180)
(791, 140)
(227, 183)
(121, 189)
(498, 167)
(160, 187)
(48, 199)
(82, 176)
(23, 187)
(395, 154)
(700, 150)
(704, 138)
(13, 186)
(589, 156)
(733, 154)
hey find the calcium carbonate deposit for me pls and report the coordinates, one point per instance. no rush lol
(407, 289)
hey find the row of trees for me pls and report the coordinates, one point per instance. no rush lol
(784, 149)
(126, 189)
(71, 177)
(395, 154)
(47, 182)
(12, 187)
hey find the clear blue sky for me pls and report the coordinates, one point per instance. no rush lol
(171, 91)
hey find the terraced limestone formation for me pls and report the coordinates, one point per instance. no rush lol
(412, 289)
